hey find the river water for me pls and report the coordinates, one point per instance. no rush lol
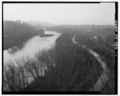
(31, 47)
(29, 50)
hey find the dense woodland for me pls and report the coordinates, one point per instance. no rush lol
(17, 32)
(75, 68)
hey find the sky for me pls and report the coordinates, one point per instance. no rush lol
(74, 13)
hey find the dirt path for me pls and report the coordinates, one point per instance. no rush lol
(105, 75)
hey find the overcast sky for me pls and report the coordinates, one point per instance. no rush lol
(76, 13)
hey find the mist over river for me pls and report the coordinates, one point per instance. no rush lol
(31, 47)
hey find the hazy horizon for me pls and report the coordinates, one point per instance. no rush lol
(62, 14)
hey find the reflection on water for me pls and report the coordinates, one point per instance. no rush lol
(32, 46)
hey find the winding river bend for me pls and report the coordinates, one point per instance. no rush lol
(31, 47)
(105, 75)
(29, 50)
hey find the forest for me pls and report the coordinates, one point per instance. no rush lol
(16, 32)
(64, 68)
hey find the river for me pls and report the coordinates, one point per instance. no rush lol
(31, 47)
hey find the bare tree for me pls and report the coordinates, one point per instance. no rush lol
(21, 72)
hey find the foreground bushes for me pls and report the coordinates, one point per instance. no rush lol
(19, 74)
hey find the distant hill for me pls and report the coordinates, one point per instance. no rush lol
(105, 32)
(17, 32)
(40, 24)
